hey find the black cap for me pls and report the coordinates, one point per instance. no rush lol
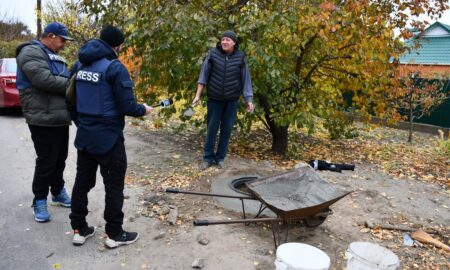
(230, 34)
(112, 35)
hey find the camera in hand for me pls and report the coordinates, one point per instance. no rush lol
(164, 103)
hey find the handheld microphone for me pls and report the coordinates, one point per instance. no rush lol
(164, 103)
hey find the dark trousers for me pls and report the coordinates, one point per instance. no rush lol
(51, 145)
(220, 114)
(113, 166)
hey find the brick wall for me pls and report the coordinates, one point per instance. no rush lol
(426, 71)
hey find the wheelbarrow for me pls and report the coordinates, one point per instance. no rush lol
(296, 195)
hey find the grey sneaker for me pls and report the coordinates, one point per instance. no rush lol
(205, 165)
(221, 164)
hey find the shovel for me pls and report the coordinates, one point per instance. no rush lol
(426, 238)
(189, 112)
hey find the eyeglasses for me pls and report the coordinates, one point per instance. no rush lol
(62, 39)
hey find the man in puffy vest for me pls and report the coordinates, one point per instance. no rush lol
(104, 96)
(42, 76)
(225, 72)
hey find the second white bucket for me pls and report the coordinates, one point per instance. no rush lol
(298, 256)
(370, 256)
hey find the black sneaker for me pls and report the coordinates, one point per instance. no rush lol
(80, 236)
(123, 238)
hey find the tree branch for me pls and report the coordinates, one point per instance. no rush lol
(264, 122)
(229, 10)
(339, 70)
(327, 75)
(303, 51)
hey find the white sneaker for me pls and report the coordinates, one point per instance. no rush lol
(80, 236)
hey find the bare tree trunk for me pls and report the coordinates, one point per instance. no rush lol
(410, 126)
(279, 133)
(411, 118)
(39, 21)
(279, 139)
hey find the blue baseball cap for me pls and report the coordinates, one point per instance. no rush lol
(58, 29)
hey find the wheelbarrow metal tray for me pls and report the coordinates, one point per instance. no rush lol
(296, 194)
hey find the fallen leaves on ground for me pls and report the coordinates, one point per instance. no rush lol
(386, 148)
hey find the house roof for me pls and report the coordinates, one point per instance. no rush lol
(434, 47)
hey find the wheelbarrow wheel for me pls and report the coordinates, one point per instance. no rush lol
(314, 221)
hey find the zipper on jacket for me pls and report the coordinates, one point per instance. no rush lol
(224, 76)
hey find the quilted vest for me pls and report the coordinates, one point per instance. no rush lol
(225, 82)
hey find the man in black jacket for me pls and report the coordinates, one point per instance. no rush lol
(104, 96)
(42, 76)
(225, 72)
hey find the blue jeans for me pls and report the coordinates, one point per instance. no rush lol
(220, 114)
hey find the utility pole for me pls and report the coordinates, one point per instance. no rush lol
(39, 22)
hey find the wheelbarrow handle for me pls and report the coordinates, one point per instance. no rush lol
(176, 190)
(172, 190)
(201, 222)
(234, 221)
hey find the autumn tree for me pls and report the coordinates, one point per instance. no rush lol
(419, 97)
(303, 55)
(82, 26)
(12, 32)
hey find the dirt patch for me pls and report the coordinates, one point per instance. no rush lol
(161, 158)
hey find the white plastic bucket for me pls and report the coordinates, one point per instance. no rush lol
(370, 256)
(297, 256)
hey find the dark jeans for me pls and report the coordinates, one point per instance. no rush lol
(113, 166)
(51, 145)
(220, 114)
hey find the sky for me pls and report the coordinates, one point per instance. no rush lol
(24, 11)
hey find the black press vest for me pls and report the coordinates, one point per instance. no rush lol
(225, 81)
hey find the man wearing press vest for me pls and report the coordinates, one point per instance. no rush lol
(42, 76)
(104, 96)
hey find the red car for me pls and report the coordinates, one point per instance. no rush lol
(9, 95)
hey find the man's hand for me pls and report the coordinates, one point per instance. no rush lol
(198, 94)
(195, 101)
(250, 107)
(148, 109)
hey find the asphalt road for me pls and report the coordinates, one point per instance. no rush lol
(26, 244)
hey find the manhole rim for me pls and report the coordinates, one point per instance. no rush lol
(241, 181)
